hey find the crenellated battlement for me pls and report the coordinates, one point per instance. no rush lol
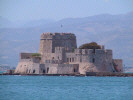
(92, 51)
(58, 36)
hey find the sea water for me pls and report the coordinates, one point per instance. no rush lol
(65, 88)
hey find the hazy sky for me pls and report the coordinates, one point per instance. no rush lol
(59, 9)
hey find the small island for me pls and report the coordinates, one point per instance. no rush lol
(58, 54)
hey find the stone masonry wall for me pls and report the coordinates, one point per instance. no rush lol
(49, 41)
(28, 65)
(119, 64)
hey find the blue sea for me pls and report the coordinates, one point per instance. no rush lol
(65, 88)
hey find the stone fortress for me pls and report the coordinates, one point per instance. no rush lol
(58, 54)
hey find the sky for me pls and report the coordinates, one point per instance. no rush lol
(15, 10)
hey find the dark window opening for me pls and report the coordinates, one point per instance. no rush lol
(74, 70)
(29, 71)
(34, 71)
(70, 59)
(67, 59)
(93, 60)
(44, 71)
(47, 70)
(53, 58)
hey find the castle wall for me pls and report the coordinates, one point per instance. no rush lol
(109, 60)
(60, 68)
(28, 64)
(100, 58)
(47, 56)
(68, 68)
(45, 43)
(28, 68)
(60, 54)
(53, 43)
(49, 41)
(87, 67)
(118, 64)
(70, 58)
(66, 40)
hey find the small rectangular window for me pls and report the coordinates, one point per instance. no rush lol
(67, 59)
(70, 59)
(93, 60)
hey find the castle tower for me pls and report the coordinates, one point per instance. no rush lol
(45, 43)
(49, 41)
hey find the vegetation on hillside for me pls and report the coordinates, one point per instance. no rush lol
(92, 45)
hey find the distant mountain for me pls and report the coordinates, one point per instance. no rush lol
(5, 22)
(113, 31)
(37, 23)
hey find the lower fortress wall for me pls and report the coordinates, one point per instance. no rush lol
(36, 68)
(28, 68)
(61, 68)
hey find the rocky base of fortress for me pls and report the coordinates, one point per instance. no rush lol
(101, 74)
